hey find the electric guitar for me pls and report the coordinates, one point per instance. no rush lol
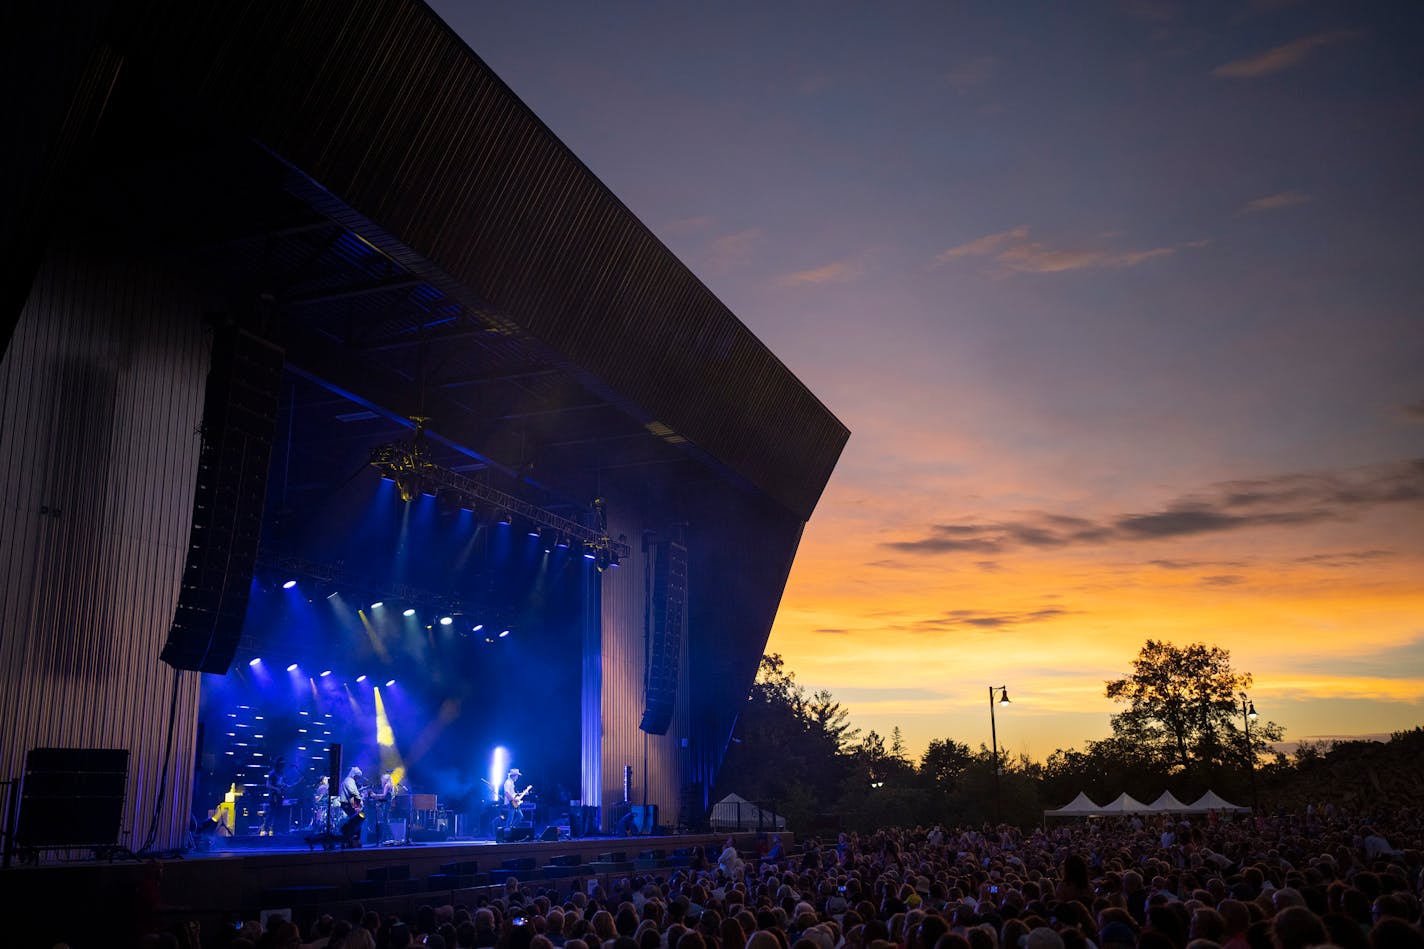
(518, 799)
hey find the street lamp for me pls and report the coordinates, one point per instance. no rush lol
(994, 737)
(1248, 715)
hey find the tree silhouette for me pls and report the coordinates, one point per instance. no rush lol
(1182, 707)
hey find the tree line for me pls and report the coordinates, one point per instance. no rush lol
(1182, 727)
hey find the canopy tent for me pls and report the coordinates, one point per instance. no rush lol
(1124, 803)
(1167, 803)
(1211, 801)
(735, 812)
(1080, 806)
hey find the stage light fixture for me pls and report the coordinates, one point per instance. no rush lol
(289, 584)
(333, 594)
(477, 627)
(292, 667)
(256, 662)
(361, 678)
(326, 673)
(446, 620)
(561, 541)
(503, 633)
(377, 605)
(390, 683)
(409, 611)
(504, 519)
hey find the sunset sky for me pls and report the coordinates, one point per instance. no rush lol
(1123, 304)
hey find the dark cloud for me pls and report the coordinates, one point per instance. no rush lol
(1222, 580)
(1346, 558)
(988, 566)
(1196, 564)
(979, 619)
(1283, 501)
(832, 631)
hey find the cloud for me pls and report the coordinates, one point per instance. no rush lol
(1346, 558)
(1223, 580)
(1281, 501)
(1015, 252)
(1413, 412)
(989, 566)
(733, 250)
(1195, 564)
(972, 72)
(840, 271)
(978, 620)
(1273, 202)
(1282, 57)
(983, 246)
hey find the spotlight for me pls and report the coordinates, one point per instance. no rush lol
(256, 662)
(504, 634)
(289, 584)
(446, 620)
(332, 594)
(504, 519)
(390, 683)
(409, 611)
(377, 605)
(533, 532)
(326, 673)
(361, 678)
(292, 667)
(477, 627)
(560, 541)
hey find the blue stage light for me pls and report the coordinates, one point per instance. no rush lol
(292, 667)
(289, 584)
(256, 662)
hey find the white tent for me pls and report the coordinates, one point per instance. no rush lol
(1211, 801)
(1080, 806)
(1167, 803)
(735, 812)
(1124, 804)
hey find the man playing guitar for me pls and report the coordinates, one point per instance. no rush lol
(513, 798)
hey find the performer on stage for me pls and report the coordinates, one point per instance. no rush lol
(513, 797)
(382, 810)
(352, 785)
(277, 815)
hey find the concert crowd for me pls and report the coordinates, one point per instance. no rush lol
(1283, 882)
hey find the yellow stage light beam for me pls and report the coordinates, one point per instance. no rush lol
(386, 742)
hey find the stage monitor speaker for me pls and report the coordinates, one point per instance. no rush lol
(518, 833)
(72, 797)
(550, 833)
(669, 600)
(239, 422)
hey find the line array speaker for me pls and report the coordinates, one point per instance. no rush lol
(665, 647)
(239, 422)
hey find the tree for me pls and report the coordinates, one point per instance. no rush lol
(1182, 705)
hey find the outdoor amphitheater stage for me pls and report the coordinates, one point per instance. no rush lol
(218, 888)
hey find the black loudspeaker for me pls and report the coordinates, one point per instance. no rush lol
(519, 833)
(333, 769)
(72, 797)
(239, 421)
(550, 833)
(583, 820)
(669, 595)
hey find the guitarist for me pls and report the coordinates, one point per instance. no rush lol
(513, 798)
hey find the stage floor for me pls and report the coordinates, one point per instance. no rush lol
(248, 877)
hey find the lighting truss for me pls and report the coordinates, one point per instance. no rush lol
(408, 464)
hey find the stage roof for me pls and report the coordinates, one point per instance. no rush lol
(438, 233)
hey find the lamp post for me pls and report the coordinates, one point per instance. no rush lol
(994, 737)
(1248, 715)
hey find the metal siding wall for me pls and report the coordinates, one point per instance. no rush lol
(101, 394)
(623, 665)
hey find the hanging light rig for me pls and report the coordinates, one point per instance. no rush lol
(408, 464)
(404, 462)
